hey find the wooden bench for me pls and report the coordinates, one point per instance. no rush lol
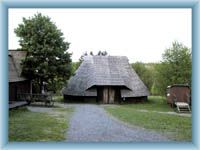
(31, 98)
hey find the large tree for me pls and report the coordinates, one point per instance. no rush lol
(176, 67)
(47, 57)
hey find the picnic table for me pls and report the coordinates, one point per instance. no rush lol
(45, 98)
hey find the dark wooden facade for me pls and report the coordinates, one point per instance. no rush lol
(130, 100)
(105, 95)
(178, 93)
(18, 87)
(80, 99)
(108, 94)
(17, 82)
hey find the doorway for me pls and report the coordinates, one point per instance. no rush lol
(108, 94)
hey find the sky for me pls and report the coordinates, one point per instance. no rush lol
(140, 34)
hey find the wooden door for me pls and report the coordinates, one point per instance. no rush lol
(108, 95)
(105, 95)
(111, 95)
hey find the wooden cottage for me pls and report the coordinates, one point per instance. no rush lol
(17, 83)
(178, 93)
(105, 79)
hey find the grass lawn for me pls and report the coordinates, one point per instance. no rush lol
(154, 103)
(58, 98)
(25, 125)
(175, 127)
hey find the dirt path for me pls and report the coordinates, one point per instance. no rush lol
(90, 123)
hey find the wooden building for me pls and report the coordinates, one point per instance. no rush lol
(17, 83)
(105, 79)
(178, 93)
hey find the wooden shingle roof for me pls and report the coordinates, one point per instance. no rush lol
(105, 71)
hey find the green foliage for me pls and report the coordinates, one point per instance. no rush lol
(75, 66)
(47, 57)
(145, 72)
(176, 67)
(144, 115)
(58, 98)
(25, 125)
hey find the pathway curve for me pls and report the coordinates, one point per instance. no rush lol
(90, 123)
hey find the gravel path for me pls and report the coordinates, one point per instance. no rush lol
(90, 123)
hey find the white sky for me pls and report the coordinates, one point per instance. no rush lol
(140, 34)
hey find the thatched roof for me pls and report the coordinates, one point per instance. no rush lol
(14, 59)
(105, 71)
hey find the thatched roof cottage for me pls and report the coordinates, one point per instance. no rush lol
(107, 79)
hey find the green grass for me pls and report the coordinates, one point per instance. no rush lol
(58, 98)
(175, 127)
(154, 103)
(25, 125)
